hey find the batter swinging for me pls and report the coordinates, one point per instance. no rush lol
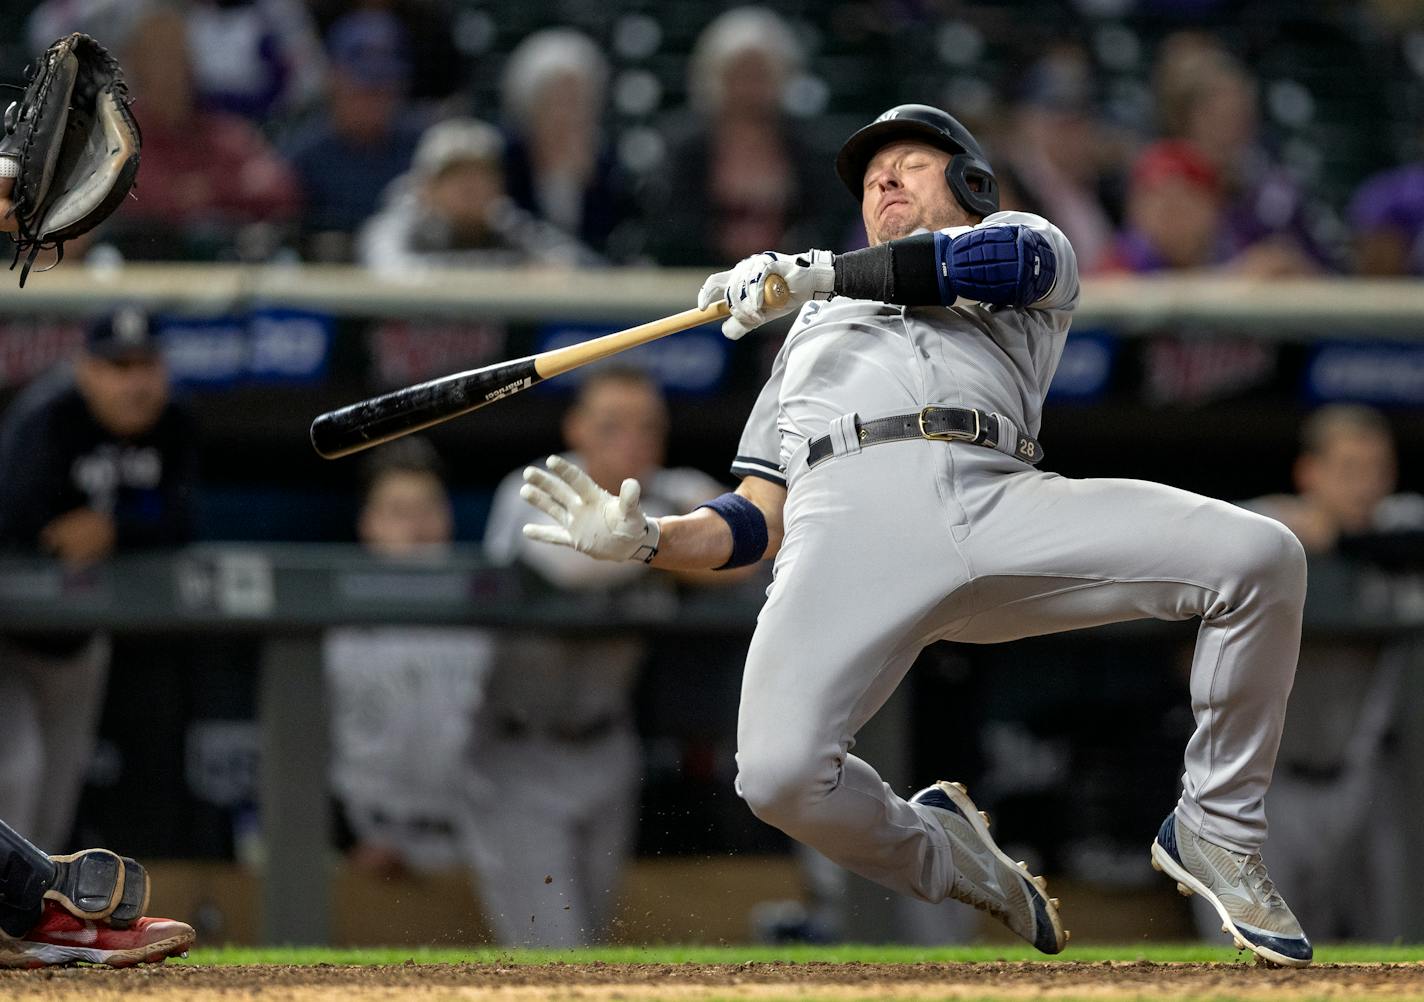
(888, 468)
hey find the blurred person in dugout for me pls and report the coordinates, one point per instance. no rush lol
(739, 175)
(1337, 748)
(363, 135)
(95, 459)
(1207, 97)
(211, 186)
(558, 164)
(402, 697)
(554, 765)
(452, 210)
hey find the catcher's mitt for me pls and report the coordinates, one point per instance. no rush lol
(71, 144)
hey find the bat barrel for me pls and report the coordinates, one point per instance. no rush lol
(368, 423)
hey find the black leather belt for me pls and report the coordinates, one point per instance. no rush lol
(939, 424)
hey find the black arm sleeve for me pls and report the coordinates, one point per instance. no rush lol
(901, 272)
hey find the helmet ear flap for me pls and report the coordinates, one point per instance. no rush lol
(973, 184)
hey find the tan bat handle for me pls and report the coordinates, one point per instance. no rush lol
(775, 293)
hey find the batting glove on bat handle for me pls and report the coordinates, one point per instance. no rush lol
(586, 517)
(751, 295)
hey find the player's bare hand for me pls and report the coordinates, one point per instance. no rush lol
(81, 536)
(8, 222)
(809, 275)
(586, 517)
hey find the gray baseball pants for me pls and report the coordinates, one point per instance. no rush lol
(892, 547)
(49, 710)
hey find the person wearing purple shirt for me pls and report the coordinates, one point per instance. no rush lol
(1387, 216)
(1206, 96)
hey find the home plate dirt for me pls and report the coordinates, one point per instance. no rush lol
(1101, 982)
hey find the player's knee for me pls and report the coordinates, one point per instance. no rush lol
(1271, 559)
(780, 788)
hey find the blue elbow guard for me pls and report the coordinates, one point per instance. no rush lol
(1000, 265)
(748, 525)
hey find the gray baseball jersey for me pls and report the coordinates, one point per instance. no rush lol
(892, 546)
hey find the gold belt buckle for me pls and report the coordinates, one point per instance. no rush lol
(951, 435)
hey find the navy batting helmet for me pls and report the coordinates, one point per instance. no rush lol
(969, 175)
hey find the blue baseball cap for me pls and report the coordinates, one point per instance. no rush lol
(122, 334)
(370, 46)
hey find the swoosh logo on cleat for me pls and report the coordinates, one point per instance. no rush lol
(84, 936)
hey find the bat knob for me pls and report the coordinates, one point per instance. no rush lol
(775, 292)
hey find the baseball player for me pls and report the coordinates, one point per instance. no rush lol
(553, 766)
(86, 906)
(888, 467)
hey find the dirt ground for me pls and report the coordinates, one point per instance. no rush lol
(1108, 982)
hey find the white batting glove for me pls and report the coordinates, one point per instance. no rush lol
(809, 275)
(587, 518)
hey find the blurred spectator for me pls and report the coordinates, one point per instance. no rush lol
(261, 58)
(1387, 218)
(1174, 214)
(740, 177)
(554, 764)
(1206, 97)
(94, 459)
(402, 697)
(430, 28)
(1056, 154)
(206, 177)
(363, 138)
(1336, 749)
(452, 210)
(557, 164)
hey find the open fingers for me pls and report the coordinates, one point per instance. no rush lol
(555, 534)
(581, 483)
(555, 487)
(545, 502)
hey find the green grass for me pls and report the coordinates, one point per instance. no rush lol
(1157, 953)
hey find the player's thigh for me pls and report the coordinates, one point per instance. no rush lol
(1110, 549)
(868, 555)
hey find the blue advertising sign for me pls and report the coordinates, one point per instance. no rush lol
(1385, 373)
(1085, 368)
(266, 346)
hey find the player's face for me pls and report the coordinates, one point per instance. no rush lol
(125, 395)
(1350, 476)
(619, 430)
(407, 512)
(905, 190)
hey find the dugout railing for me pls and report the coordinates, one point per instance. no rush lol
(288, 595)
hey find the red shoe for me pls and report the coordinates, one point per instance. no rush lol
(60, 938)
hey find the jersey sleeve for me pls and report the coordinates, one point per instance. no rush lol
(759, 451)
(1063, 295)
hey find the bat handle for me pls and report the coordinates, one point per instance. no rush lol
(775, 292)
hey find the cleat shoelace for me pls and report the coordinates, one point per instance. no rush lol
(1252, 869)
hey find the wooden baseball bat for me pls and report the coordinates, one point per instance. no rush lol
(361, 425)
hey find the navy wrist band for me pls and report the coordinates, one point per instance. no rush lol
(748, 525)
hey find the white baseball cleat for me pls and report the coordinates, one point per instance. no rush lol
(986, 878)
(1238, 887)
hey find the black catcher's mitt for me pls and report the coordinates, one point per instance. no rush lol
(71, 144)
